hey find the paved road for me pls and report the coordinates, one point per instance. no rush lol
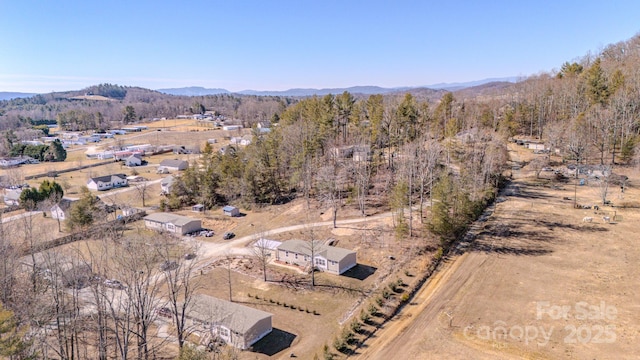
(20, 216)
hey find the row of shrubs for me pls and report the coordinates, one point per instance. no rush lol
(347, 337)
(284, 304)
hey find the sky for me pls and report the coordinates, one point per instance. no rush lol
(274, 45)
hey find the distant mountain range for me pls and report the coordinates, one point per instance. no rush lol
(5, 95)
(366, 90)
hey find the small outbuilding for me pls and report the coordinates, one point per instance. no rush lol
(231, 211)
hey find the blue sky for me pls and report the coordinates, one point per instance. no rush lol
(276, 45)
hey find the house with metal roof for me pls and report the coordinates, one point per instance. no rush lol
(174, 164)
(327, 258)
(172, 223)
(238, 325)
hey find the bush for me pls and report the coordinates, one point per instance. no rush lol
(340, 344)
(404, 298)
(364, 317)
(356, 326)
(372, 309)
(380, 301)
(438, 254)
(326, 353)
(386, 294)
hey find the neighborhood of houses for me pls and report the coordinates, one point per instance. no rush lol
(211, 318)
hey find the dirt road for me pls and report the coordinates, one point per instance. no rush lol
(210, 252)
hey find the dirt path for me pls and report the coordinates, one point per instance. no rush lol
(210, 252)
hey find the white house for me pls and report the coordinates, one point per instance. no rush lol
(246, 140)
(107, 182)
(61, 209)
(231, 127)
(128, 211)
(12, 196)
(238, 325)
(173, 223)
(325, 258)
(166, 184)
(174, 164)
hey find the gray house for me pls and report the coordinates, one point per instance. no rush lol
(133, 160)
(173, 223)
(238, 325)
(331, 259)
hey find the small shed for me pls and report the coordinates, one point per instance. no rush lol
(197, 208)
(231, 211)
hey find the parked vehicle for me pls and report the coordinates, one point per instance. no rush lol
(114, 284)
(228, 235)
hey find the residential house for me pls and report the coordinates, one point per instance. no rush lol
(231, 211)
(133, 160)
(61, 209)
(246, 140)
(325, 258)
(166, 184)
(128, 211)
(342, 152)
(231, 127)
(18, 160)
(173, 223)
(362, 153)
(107, 182)
(238, 325)
(12, 196)
(174, 164)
